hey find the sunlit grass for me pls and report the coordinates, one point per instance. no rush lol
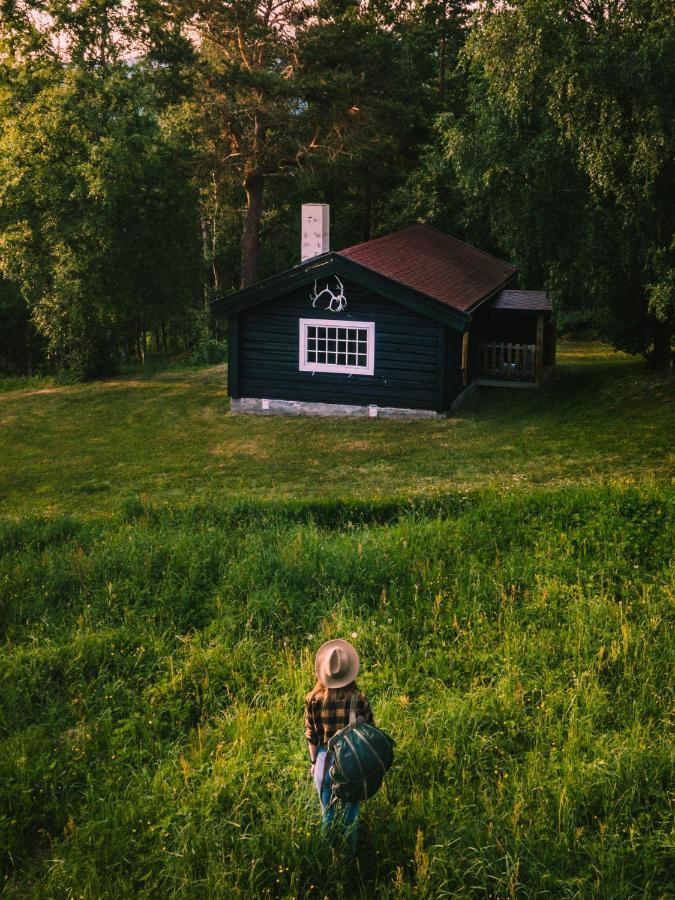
(170, 437)
(517, 649)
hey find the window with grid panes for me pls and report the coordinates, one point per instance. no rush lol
(330, 346)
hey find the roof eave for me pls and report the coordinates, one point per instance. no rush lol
(490, 295)
(256, 293)
(335, 264)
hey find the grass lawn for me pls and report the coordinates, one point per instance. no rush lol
(167, 572)
(169, 438)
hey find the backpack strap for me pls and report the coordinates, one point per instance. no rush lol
(353, 699)
(326, 772)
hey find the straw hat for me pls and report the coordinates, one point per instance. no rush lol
(336, 664)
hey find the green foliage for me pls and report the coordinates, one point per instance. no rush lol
(516, 647)
(97, 216)
(566, 147)
(168, 128)
(327, 93)
(208, 349)
(20, 347)
(24, 383)
(661, 291)
(577, 321)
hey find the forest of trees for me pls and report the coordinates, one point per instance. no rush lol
(155, 153)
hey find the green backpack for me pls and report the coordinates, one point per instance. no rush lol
(361, 755)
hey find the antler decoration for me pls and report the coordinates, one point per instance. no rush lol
(336, 303)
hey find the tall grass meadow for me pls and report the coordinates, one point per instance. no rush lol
(517, 647)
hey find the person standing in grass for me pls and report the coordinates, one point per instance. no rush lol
(327, 710)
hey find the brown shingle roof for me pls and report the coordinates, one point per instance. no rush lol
(527, 301)
(433, 264)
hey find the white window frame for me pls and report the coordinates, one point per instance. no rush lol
(306, 366)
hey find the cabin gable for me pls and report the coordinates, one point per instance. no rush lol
(408, 350)
(330, 265)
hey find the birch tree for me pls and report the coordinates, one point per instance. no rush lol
(566, 149)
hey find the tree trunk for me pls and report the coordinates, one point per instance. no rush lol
(205, 254)
(29, 351)
(214, 236)
(140, 343)
(165, 343)
(254, 185)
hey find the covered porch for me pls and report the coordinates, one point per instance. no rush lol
(513, 340)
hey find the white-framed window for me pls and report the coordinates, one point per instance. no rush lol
(329, 345)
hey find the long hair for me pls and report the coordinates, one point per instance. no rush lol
(325, 694)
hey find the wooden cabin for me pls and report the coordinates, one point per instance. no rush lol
(402, 325)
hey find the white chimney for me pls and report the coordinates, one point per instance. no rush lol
(315, 237)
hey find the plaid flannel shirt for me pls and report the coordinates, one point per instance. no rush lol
(322, 720)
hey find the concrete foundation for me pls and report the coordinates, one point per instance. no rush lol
(265, 407)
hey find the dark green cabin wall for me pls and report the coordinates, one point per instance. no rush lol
(409, 353)
(233, 355)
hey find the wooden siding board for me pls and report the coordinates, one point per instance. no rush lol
(326, 382)
(415, 357)
(465, 359)
(233, 344)
(387, 383)
(325, 393)
(420, 351)
(286, 368)
(441, 374)
(284, 365)
(398, 333)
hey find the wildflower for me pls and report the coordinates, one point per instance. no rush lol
(354, 634)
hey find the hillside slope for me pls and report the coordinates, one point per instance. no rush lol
(169, 438)
(167, 573)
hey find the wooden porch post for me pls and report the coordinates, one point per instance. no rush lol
(539, 349)
(465, 358)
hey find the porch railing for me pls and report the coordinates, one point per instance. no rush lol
(507, 362)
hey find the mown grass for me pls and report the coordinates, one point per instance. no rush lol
(168, 438)
(518, 647)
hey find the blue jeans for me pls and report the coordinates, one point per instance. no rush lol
(340, 815)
